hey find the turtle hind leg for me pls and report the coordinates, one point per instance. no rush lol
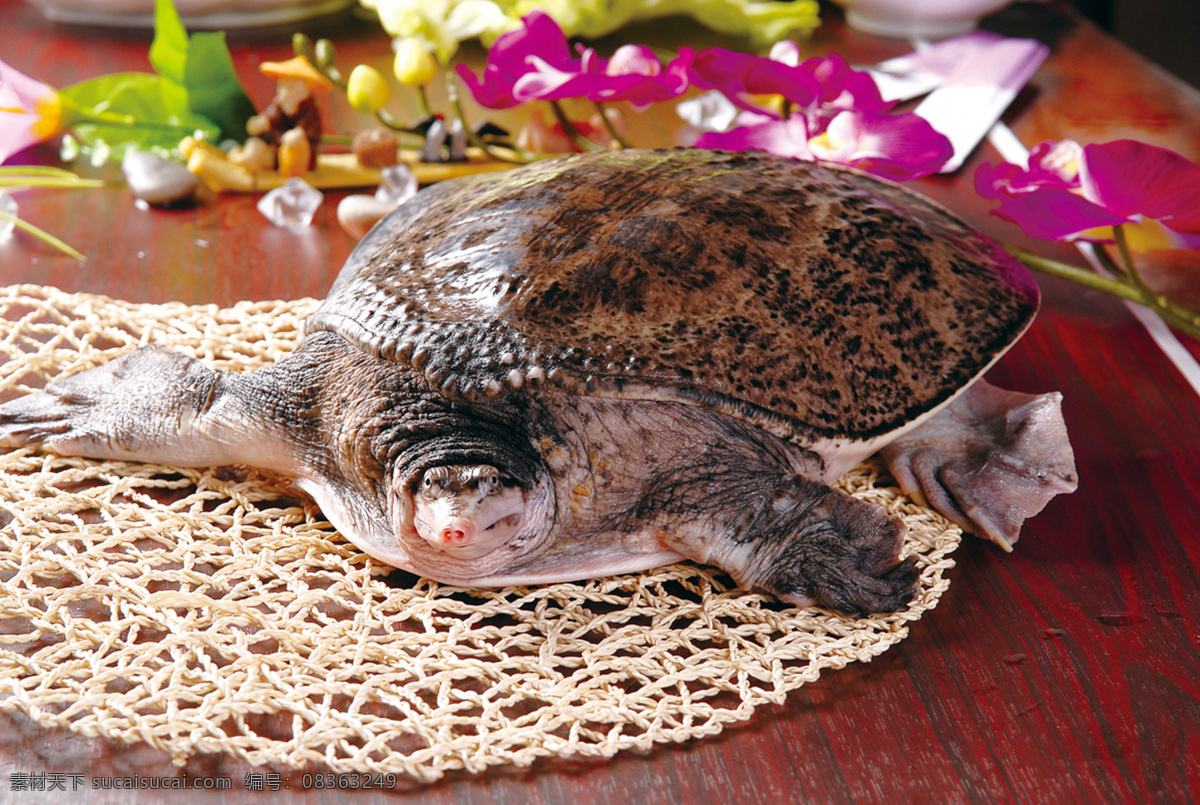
(808, 544)
(144, 406)
(989, 460)
(841, 552)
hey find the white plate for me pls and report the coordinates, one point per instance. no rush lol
(210, 14)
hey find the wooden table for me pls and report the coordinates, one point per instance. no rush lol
(1068, 671)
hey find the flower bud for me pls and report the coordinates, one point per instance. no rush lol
(367, 90)
(325, 53)
(414, 65)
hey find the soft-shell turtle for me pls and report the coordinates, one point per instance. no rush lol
(601, 364)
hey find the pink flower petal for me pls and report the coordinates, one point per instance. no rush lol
(535, 63)
(892, 146)
(788, 138)
(1132, 179)
(18, 92)
(817, 89)
(16, 133)
(724, 70)
(1051, 164)
(896, 147)
(547, 83)
(785, 51)
(633, 60)
(769, 77)
(1054, 213)
(511, 57)
(642, 89)
(844, 87)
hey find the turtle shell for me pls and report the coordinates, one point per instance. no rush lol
(815, 301)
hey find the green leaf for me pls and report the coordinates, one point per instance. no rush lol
(133, 110)
(195, 92)
(212, 85)
(169, 51)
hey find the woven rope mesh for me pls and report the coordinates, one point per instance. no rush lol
(217, 611)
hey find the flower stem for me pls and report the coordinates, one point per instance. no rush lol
(423, 101)
(1107, 262)
(1177, 315)
(1127, 263)
(35, 170)
(572, 132)
(519, 155)
(41, 234)
(47, 181)
(610, 128)
(395, 124)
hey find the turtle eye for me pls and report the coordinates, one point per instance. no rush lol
(430, 487)
(489, 484)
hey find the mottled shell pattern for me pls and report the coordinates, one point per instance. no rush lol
(814, 301)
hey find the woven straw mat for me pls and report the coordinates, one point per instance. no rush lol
(217, 611)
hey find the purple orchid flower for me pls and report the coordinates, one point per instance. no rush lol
(538, 42)
(830, 112)
(896, 147)
(535, 63)
(633, 74)
(1051, 164)
(821, 86)
(30, 111)
(727, 72)
(1105, 185)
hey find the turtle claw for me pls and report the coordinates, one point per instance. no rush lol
(34, 419)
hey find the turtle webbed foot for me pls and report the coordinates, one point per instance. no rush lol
(810, 544)
(133, 408)
(844, 556)
(988, 461)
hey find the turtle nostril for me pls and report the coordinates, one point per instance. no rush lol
(454, 535)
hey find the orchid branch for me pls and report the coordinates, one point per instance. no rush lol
(1128, 286)
(610, 128)
(519, 155)
(1127, 264)
(571, 131)
(423, 101)
(1109, 264)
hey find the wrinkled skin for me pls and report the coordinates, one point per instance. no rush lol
(468, 510)
(622, 486)
(484, 400)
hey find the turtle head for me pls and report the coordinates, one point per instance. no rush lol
(467, 510)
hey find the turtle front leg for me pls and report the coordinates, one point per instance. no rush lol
(808, 544)
(989, 460)
(151, 405)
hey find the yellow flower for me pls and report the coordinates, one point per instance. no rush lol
(367, 90)
(414, 65)
(442, 24)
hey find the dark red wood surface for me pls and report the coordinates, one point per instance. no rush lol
(1068, 671)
